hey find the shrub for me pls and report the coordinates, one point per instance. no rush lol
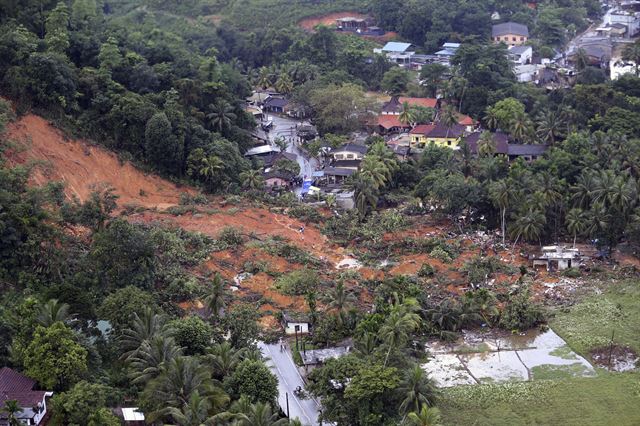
(426, 270)
(440, 254)
(187, 199)
(193, 334)
(571, 273)
(298, 282)
(520, 312)
(305, 213)
(229, 238)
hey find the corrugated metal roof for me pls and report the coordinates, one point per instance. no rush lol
(394, 46)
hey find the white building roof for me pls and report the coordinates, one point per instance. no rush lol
(394, 46)
(132, 415)
(262, 149)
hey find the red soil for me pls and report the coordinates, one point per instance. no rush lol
(83, 167)
(259, 221)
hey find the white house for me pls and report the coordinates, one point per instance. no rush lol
(295, 324)
(520, 55)
(400, 53)
(17, 387)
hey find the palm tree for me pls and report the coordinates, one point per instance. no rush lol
(264, 77)
(215, 299)
(224, 358)
(210, 168)
(143, 328)
(425, 417)
(53, 311)
(416, 389)
(221, 115)
(399, 324)
(501, 194)
(196, 412)
(331, 201)
(576, 222)
(520, 127)
(491, 119)
(406, 116)
(179, 377)
(259, 414)
(284, 84)
(12, 409)
(632, 53)
(446, 317)
(449, 118)
(583, 189)
(339, 299)
(481, 305)
(372, 168)
(486, 144)
(382, 152)
(367, 344)
(252, 179)
(551, 126)
(147, 362)
(366, 194)
(529, 225)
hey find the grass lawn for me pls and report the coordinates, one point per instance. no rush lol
(608, 399)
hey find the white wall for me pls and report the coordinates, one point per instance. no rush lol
(291, 327)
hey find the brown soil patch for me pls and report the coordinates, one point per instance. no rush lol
(269, 322)
(252, 220)
(263, 284)
(329, 20)
(83, 167)
(622, 358)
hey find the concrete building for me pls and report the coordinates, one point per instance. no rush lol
(510, 33)
(520, 55)
(557, 258)
(630, 19)
(400, 53)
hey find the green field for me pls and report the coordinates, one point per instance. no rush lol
(608, 399)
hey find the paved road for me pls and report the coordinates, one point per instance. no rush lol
(282, 365)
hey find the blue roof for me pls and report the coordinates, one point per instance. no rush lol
(394, 46)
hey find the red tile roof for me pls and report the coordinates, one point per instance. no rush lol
(390, 121)
(12, 381)
(423, 102)
(422, 129)
(465, 120)
(15, 386)
(25, 399)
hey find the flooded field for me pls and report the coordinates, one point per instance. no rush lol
(489, 357)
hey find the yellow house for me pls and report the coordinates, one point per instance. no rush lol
(444, 136)
(510, 33)
(418, 135)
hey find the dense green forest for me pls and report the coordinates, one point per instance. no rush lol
(162, 84)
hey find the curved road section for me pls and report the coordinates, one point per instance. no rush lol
(282, 365)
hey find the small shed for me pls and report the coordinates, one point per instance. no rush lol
(295, 323)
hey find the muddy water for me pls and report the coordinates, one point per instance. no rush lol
(498, 357)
